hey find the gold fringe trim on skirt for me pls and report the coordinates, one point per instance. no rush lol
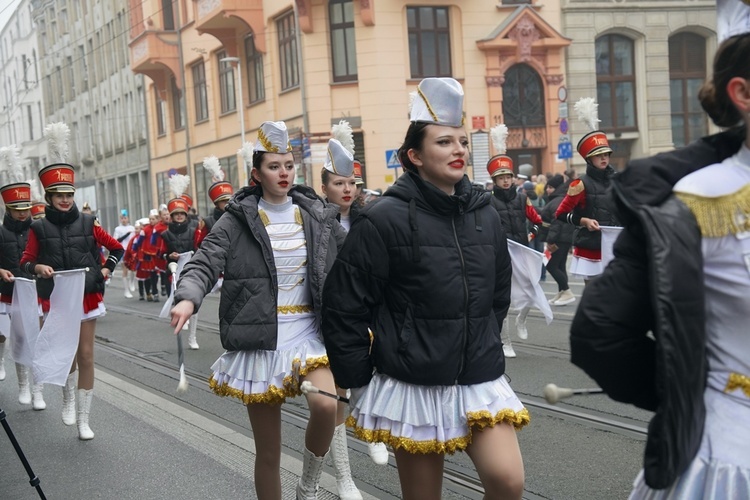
(738, 381)
(479, 420)
(273, 395)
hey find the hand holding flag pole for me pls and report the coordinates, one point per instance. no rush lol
(183, 385)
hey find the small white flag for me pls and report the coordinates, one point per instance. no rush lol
(58, 340)
(24, 321)
(609, 236)
(181, 261)
(525, 290)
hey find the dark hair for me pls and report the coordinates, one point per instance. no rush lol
(730, 61)
(415, 135)
(325, 176)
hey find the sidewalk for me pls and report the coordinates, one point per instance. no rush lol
(145, 447)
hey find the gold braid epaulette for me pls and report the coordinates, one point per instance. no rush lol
(263, 217)
(720, 216)
(576, 187)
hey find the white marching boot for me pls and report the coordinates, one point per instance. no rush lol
(340, 456)
(521, 330)
(84, 409)
(378, 453)
(37, 398)
(69, 400)
(126, 286)
(2, 361)
(505, 338)
(192, 341)
(131, 281)
(24, 387)
(312, 467)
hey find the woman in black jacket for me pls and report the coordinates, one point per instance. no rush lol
(427, 267)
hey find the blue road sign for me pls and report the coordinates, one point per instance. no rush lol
(391, 159)
(563, 126)
(565, 150)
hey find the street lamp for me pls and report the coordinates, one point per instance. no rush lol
(240, 103)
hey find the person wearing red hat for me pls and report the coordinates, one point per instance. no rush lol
(180, 237)
(587, 204)
(13, 236)
(37, 210)
(63, 237)
(514, 208)
(220, 193)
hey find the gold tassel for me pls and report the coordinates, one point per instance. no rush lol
(720, 216)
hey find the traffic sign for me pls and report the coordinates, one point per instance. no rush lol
(563, 126)
(391, 159)
(565, 150)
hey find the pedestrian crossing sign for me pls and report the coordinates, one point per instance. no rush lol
(391, 159)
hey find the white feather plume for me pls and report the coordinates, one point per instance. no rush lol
(587, 110)
(211, 163)
(36, 190)
(412, 97)
(499, 134)
(58, 135)
(178, 184)
(342, 132)
(10, 160)
(247, 153)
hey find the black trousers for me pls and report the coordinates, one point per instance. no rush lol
(557, 266)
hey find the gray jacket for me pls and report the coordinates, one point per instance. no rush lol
(238, 245)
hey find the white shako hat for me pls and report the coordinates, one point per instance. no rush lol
(340, 156)
(273, 137)
(439, 101)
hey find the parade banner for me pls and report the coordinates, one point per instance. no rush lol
(58, 339)
(609, 236)
(181, 261)
(525, 289)
(24, 321)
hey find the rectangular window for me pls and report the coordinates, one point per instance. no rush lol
(343, 45)
(163, 190)
(177, 105)
(226, 84)
(84, 68)
(200, 89)
(288, 52)
(167, 12)
(615, 83)
(687, 72)
(254, 68)
(429, 41)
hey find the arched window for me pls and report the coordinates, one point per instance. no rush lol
(523, 102)
(615, 83)
(687, 72)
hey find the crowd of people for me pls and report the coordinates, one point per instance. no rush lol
(406, 300)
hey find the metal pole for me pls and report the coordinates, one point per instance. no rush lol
(242, 115)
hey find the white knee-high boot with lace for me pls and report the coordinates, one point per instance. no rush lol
(69, 400)
(24, 386)
(84, 409)
(2, 361)
(505, 337)
(340, 456)
(192, 336)
(126, 287)
(312, 467)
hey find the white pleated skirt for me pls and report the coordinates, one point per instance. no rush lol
(431, 419)
(583, 268)
(721, 469)
(266, 376)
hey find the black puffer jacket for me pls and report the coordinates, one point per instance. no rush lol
(559, 232)
(13, 236)
(655, 283)
(66, 241)
(430, 273)
(511, 206)
(179, 237)
(239, 246)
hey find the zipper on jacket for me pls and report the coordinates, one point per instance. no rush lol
(466, 300)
